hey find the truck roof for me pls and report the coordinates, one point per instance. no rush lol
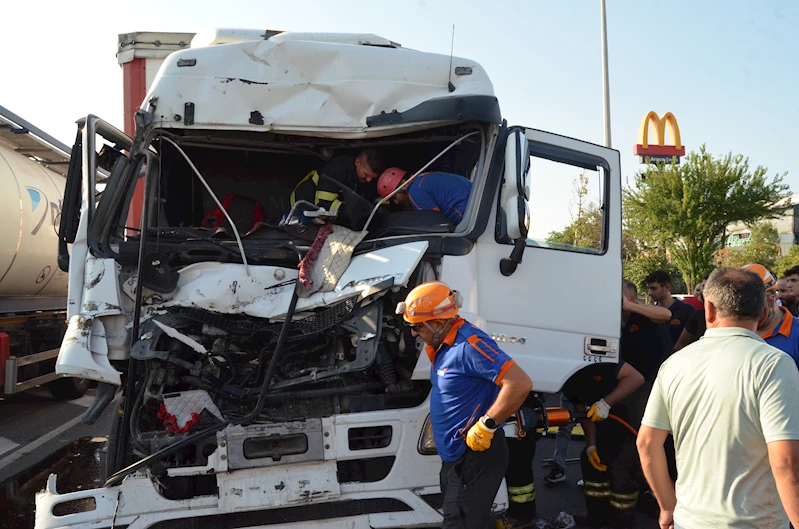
(326, 84)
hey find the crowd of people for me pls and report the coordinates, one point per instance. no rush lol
(699, 411)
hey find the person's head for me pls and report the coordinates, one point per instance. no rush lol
(792, 277)
(658, 285)
(430, 309)
(734, 297)
(390, 180)
(784, 293)
(368, 165)
(629, 290)
(769, 283)
(701, 287)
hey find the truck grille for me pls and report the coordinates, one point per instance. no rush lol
(369, 438)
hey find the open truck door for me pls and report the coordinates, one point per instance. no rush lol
(98, 156)
(556, 237)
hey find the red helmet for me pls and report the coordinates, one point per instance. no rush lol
(389, 181)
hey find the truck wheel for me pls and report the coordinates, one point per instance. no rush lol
(68, 388)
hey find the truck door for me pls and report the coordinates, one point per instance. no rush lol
(98, 155)
(549, 273)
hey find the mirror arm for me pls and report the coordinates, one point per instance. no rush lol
(508, 265)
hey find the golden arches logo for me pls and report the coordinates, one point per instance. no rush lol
(659, 149)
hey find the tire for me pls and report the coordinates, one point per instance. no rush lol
(68, 388)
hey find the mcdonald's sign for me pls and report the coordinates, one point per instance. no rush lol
(660, 152)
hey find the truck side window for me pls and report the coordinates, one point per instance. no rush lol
(566, 207)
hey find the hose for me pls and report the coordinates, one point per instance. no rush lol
(623, 423)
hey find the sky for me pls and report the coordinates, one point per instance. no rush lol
(727, 69)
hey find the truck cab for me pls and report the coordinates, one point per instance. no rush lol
(248, 396)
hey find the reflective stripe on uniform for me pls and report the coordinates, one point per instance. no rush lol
(313, 176)
(325, 195)
(623, 506)
(335, 205)
(526, 489)
(623, 502)
(596, 489)
(523, 494)
(521, 498)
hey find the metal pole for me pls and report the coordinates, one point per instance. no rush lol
(605, 82)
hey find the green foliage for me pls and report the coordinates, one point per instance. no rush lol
(585, 229)
(789, 260)
(684, 209)
(762, 247)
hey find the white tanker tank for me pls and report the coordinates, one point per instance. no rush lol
(33, 289)
(30, 204)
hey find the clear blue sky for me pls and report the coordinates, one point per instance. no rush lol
(728, 70)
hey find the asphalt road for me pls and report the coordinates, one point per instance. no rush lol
(40, 436)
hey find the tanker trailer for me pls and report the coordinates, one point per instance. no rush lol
(33, 290)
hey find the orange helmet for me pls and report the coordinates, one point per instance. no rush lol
(769, 279)
(433, 300)
(389, 181)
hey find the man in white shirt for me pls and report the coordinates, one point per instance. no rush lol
(730, 401)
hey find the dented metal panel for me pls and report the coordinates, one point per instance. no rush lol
(302, 85)
(227, 289)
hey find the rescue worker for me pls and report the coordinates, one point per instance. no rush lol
(355, 172)
(437, 191)
(780, 329)
(475, 388)
(611, 470)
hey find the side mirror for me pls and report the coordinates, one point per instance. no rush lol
(513, 198)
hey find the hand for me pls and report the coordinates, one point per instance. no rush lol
(666, 519)
(593, 458)
(599, 411)
(479, 437)
(627, 304)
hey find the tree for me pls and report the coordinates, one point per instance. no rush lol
(685, 209)
(789, 260)
(585, 229)
(763, 246)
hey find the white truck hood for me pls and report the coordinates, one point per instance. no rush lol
(226, 289)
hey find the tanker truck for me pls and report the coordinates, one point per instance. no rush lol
(33, 290)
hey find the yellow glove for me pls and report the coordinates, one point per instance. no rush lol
(599, 411)
(593, 458)
(479, 437)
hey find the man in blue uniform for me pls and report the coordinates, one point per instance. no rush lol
(475, 388)
(437, 191)
(780, 329)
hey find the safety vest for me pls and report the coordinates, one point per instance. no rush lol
(308, 189)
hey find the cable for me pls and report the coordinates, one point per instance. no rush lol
(623, 423)
(216, 200)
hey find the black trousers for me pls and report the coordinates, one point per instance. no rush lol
(470, 484)
(519, 477)
(612, 495)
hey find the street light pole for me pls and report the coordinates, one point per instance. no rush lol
(605, 82)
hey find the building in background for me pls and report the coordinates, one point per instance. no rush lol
(787, 226)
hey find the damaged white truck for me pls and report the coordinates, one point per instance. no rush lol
(256, 397)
